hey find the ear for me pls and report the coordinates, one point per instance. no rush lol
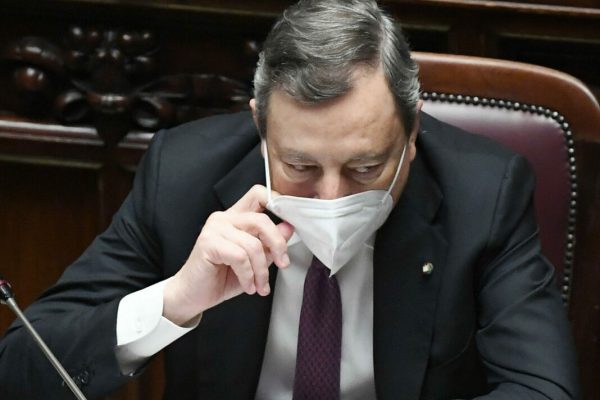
(412, 147)
(255, 118)
(252, 104)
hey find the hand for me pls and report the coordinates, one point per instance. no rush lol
(231, 256)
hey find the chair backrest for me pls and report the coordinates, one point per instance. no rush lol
(531, 109)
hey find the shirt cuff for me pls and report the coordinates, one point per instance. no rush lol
(142, 331)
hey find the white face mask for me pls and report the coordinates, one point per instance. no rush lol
(333, 230)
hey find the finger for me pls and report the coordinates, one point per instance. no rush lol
(254, 200)
(286, 229)
(261, 226)
(257, 254)
(248, 232)
(230, 254)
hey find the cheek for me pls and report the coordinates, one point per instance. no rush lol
(281, 184)
(400, 184)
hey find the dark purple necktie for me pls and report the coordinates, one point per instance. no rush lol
(319, 337)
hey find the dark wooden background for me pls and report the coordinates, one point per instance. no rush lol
(83, 84)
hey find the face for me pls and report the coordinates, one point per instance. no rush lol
(340, 147)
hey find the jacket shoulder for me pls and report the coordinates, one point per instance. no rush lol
(455, 155)
(477, 176)
(208, 148)
(220, 133)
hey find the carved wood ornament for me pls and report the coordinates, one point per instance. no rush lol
(110, 77)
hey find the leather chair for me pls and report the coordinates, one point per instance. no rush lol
(535, 111)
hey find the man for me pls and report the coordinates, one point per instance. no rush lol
(419, 241)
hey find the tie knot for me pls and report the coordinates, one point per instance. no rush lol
(316, 263)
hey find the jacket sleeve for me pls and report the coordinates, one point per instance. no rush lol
(523, 335)
(77, 316)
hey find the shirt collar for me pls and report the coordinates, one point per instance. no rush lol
(295, 240)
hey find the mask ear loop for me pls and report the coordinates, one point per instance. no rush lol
(397, 171)
(267, 170)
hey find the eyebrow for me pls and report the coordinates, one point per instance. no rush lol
(370, 157)
(300, 157)
(296, 156)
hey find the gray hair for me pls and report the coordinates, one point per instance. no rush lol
(315, 47)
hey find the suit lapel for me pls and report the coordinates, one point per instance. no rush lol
(234, 334)
(247, 173)
(404, 294)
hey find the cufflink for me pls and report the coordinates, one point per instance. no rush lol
(427, 268)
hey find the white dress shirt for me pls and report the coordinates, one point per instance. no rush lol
(142, 330)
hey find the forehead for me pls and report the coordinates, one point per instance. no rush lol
(365, 119)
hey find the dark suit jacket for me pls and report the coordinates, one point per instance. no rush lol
(487, 320)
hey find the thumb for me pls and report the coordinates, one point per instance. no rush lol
(286, 229)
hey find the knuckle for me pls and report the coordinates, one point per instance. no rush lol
(216, 217)
(263, 219)
(255, 246)
(216, 214)
(239, 258)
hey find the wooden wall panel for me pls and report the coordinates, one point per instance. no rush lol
(578, 58)
(47, 218)
(567, 3)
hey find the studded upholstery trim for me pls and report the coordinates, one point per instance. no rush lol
(569, 257)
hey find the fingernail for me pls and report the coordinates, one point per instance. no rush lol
(285, 259)
(267, 289)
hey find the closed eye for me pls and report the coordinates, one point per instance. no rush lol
(300, 167)
(364, 169)
(367, 169)
(366, 173)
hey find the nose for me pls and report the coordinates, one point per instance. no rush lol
(331, 186)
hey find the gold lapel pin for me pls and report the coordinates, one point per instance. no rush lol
(427, 268)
